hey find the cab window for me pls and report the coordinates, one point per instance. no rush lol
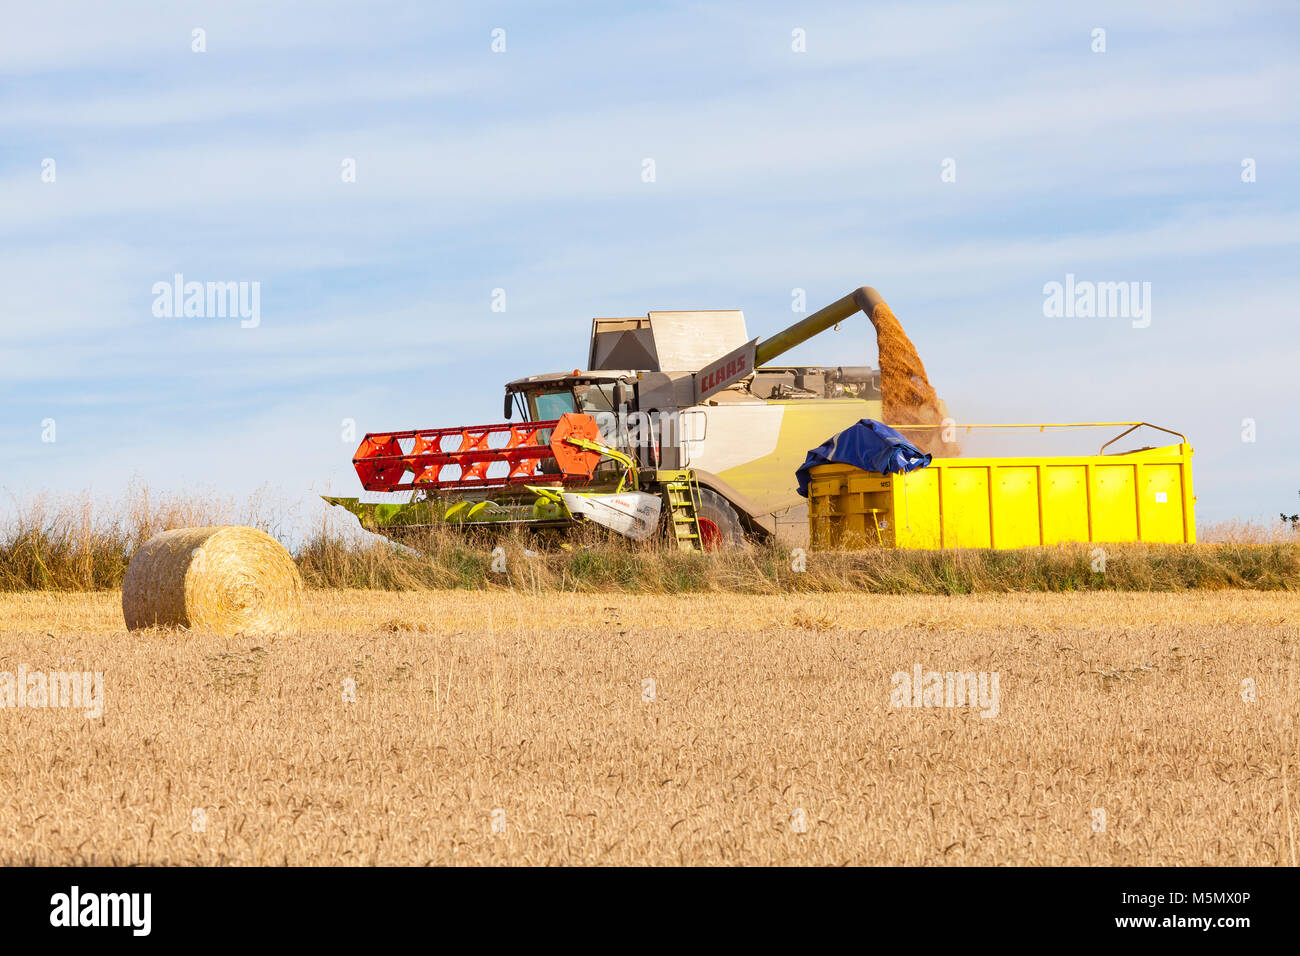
(551, 405)
(596, 398)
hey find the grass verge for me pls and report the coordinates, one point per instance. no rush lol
(83, 545)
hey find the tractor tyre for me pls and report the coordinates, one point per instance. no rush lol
(720, 525)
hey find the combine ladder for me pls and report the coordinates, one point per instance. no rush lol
(682, 497)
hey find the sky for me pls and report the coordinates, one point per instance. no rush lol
(959, 157)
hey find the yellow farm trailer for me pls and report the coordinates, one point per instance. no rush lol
(1141, 495)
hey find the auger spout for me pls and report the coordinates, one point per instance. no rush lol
(864, 300)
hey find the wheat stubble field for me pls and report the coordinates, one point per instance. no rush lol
(514, 728)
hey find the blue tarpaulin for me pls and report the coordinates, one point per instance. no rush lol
(869, 445)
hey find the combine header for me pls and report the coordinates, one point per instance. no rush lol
(545, 476)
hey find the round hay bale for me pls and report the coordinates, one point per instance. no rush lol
(227, 579)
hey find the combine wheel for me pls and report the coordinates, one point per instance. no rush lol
(720, 526)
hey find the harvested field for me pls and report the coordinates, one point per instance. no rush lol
(767, 735)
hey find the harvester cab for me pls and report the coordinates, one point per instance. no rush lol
(678, 422)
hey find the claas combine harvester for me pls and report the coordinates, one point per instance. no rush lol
(680, 425)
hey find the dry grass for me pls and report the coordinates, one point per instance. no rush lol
(1249, 532)
(610, 564)
(470, 702)
(84, 544)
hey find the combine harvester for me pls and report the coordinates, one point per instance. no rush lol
(679, 415)
(681, 426)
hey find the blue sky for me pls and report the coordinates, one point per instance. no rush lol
(522, 170)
